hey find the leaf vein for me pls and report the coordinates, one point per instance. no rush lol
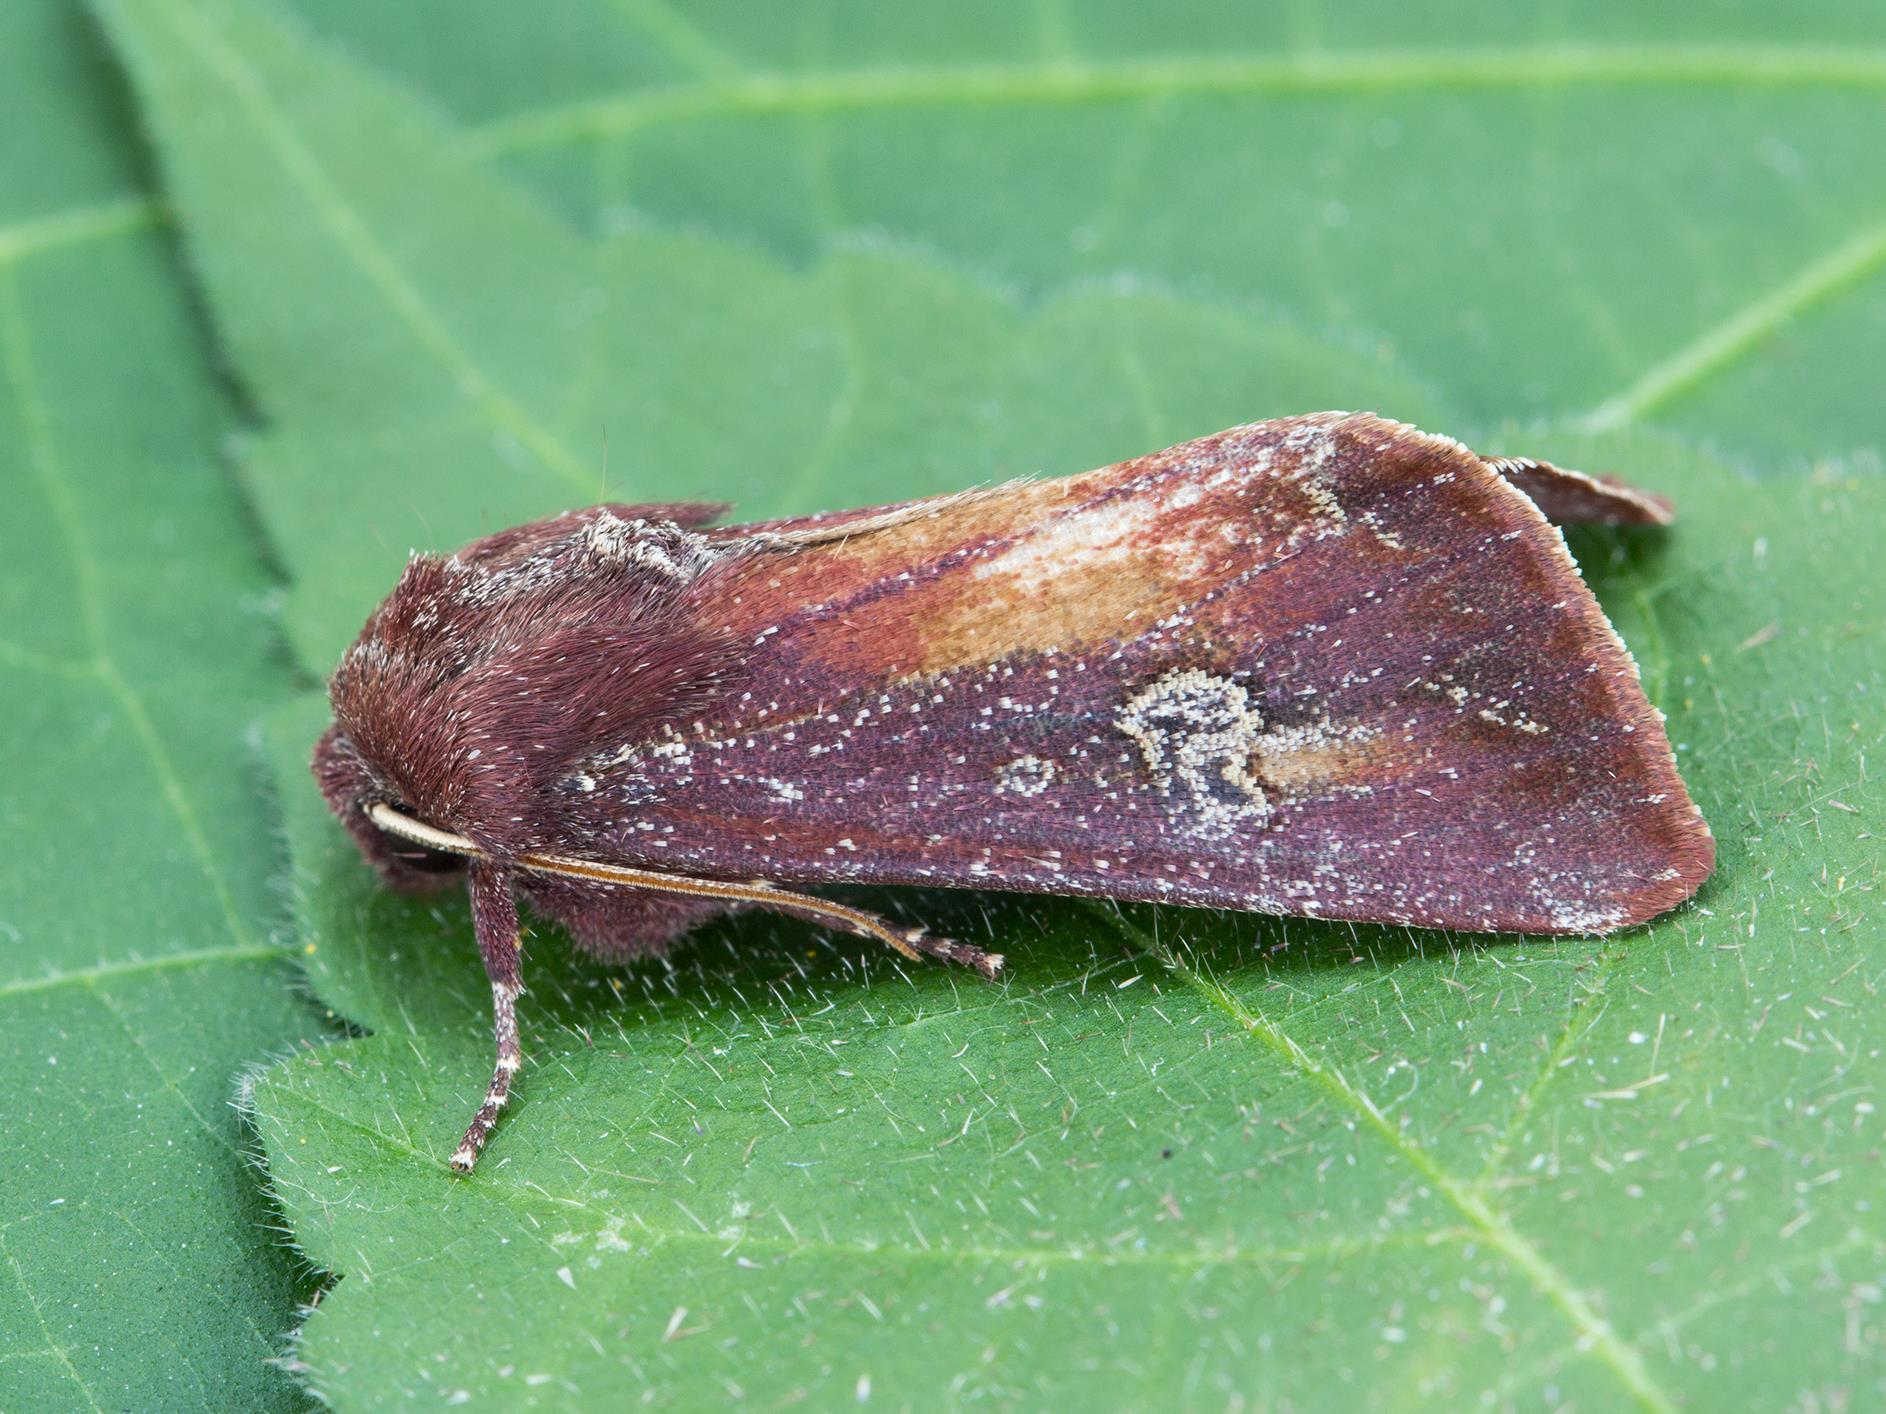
(110, 971)
(111, 1009)
(681, 38)
(42, 454)
(824, 1246)
(1494, 1227)
(1733, 338)
(52, 1346)
(1073, 82)
(357, 240)
(1584, 1014)
(79, 225)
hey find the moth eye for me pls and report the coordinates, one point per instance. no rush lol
(426, 861)
(415, 855)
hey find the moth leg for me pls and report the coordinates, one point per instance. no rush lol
(913, 943)
(989, 964)
(643, 921)
(494, 916)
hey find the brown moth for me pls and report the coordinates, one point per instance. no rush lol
(1329, 666)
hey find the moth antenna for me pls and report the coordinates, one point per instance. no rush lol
(913, 943)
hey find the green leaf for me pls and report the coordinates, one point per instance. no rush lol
(1178, 1151)
(1613, 211)
(140, 1266)
(493, 363)
(1180, 1155)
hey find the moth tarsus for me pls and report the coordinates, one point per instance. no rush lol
(989, 964)
(1328, 666)
(494, 921)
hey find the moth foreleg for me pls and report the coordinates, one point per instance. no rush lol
(494, 916)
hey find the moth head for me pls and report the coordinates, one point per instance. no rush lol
(355, 790)
(483, 674)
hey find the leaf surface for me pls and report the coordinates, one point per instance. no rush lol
(1614, 212)
(1179, 1154)
(140, 1265)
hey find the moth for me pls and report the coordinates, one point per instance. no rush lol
(1327, 666)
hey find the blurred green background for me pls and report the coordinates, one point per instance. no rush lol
(286, 289)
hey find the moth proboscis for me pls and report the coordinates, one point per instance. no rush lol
(1328, 666)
